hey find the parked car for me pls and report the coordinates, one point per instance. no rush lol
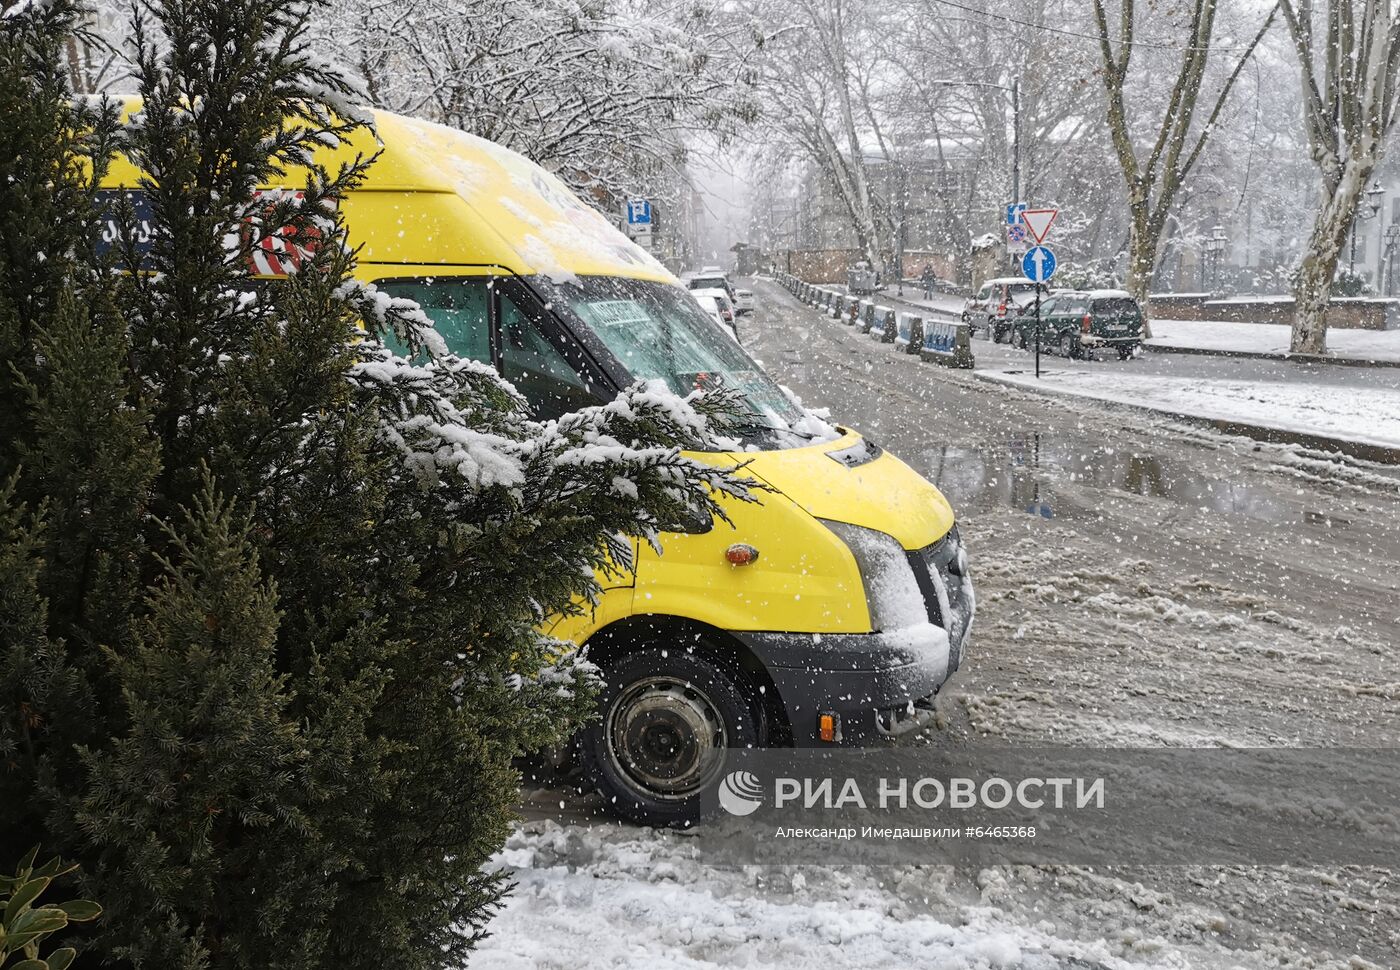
(712, 279)
(997, 304)
(1076, 323)
(743, 301)
(729, 314)
(717, 308)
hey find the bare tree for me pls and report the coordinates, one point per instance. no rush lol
(813, 100)
(606, 94)
(1174, 144)
(1349, 104)
(956, 74)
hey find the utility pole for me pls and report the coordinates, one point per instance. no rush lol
(903, 180)
(1016, 141)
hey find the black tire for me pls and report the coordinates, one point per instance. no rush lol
(1125, 351)
(645, 741)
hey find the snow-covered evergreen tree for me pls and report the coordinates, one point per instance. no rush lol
(271, 593)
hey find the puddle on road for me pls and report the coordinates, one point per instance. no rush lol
(1026, 473)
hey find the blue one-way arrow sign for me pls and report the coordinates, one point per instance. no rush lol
(1038, 265)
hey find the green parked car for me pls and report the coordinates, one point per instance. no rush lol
(1076, 323)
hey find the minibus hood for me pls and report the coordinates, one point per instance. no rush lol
(851, 480)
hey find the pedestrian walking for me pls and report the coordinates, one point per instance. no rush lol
(928, 279)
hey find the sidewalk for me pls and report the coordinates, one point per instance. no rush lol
(944, 304)
(1381, 347)
(1363, 422)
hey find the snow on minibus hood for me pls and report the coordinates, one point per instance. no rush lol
(848, 480)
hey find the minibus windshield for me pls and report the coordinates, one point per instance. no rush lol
(659, 332)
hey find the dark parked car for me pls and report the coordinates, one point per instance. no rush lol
(1077, 323)
(997, 304)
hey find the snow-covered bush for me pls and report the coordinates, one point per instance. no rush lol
(1088, 276)
(1348, 282)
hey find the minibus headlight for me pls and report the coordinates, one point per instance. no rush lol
(957, 562)
(891, 591)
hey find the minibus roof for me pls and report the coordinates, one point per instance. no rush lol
(511, 213)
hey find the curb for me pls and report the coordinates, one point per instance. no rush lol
(1264, 355)
(1381, 454)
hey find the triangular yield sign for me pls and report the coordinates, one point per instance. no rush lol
(1038, 222)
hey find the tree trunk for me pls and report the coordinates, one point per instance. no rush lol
(1142, 256)
(1314, 286)
(1310, 296)
(1349, 77)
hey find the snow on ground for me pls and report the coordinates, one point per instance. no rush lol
(612, 896)
(1269, 338)
(1366, 415)
(945, 304)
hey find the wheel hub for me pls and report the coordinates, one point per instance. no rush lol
(666, 736)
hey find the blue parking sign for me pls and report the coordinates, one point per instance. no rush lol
(638, 212)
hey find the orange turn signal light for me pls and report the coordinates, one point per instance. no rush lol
(829, 727)
(741, 554)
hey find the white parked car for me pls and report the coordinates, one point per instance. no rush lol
(716, 304)
(712, 279)
(743, 301)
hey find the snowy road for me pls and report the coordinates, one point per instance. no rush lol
(1140, 583)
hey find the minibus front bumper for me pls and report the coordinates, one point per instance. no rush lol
(873, 685)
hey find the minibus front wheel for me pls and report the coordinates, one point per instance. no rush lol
(666, 718)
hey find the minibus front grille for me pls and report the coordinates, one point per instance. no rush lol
(947, 596)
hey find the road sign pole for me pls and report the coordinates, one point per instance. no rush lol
(1037, 331)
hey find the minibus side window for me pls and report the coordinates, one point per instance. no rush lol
(531, 362)
(458, 307)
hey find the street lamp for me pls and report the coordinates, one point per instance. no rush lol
(1376, 193)
(1371, 208)
(1392, 237)
(1215, 248)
